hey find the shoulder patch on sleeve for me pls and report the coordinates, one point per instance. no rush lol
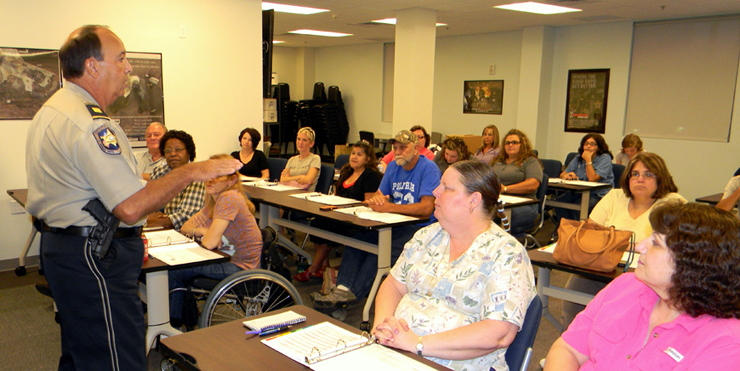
(96, 112)
(107, 140)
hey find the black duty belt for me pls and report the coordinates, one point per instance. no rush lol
(85, 231)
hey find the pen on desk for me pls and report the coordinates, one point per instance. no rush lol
(268, 332)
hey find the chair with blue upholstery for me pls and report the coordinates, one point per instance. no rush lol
(276, 166)
(617, 170)
(569, 158)
(341, 161)
(519, 352)
(552, 168)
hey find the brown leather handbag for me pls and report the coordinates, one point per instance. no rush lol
(591, 246)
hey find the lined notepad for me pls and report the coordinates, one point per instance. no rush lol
(275, 321)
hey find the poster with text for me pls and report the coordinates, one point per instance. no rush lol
(143, 99)
(28, 77)
(585, 110)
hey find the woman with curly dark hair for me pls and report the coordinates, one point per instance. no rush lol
(678, 311)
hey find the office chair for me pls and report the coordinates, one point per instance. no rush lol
(369, 137)
(519, 352)
(552, 168)
(341, 161)
(276, 166)
(569, 158)
(618, 170)
(541, 196)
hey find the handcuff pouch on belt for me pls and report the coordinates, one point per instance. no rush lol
(102, 234)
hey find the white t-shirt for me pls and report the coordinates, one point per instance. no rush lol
(613, 209)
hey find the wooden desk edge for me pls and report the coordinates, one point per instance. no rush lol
(256, 352)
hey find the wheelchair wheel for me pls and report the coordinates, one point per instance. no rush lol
(247, 293)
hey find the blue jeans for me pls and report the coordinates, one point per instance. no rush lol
(575, 198)
(359, 268)
(523, 219)
(178, 277)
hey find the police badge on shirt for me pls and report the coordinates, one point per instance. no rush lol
(105, 137)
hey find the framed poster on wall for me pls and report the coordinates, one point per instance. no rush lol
(585, 110)
(143, 100)
(485, 97)
(28, 77)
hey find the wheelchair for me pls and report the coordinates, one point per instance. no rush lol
(242, 294)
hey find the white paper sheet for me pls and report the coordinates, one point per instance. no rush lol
(364, 212)
(183, 253)
(325, 199)
(512, 199)
(165, 237)
(574, 182)
(325, 337)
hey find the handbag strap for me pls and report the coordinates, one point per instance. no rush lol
(631, 254)
(577, 234)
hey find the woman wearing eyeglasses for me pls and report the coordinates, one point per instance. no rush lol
(645, 183)
(593, 164)
(520, 173)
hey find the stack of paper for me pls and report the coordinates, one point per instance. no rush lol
(364, 212)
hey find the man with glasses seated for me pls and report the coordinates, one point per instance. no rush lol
(178, 149)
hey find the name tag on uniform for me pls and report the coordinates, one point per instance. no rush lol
(673, 354)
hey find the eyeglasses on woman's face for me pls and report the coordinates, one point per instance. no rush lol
(512, 142)
(645, 175)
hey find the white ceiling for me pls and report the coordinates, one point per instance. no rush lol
(465, 17)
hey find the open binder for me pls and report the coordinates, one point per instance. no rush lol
(327, 347)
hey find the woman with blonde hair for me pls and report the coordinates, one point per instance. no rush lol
(490, 147)
(631, 146)
(453, 150)
(303, 169)
(226, 222)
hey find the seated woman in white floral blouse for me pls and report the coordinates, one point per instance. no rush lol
(459, 291)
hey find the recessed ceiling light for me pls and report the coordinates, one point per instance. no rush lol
(320, 33)
(538, 8)
(282, 8)
(393, 21)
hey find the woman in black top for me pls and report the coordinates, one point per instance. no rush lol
(255, 162)
(358, 179)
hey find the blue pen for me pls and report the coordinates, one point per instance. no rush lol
(268, 332)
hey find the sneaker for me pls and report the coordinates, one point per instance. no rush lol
(336, 299)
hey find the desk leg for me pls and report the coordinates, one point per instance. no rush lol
(268, 217)
(585, 196)
(158, 304)
(543, 282)
(21, 270)
(384, 266)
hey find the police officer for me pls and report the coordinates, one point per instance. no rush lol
(75, 154)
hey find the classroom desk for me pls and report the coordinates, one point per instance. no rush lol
(711, 199)
(545, 264)
(156, 294)
(225, 347)
(585, 192)
(21, 196)
(272, 201)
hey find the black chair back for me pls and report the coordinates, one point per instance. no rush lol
(326, 178)
(569, 158)
(520, 351)
(341, 161)
(552, 168)
(617, 170)
(276, 166)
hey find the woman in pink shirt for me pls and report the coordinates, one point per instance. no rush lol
(678, 311)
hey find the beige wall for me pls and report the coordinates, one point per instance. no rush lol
(212, 78)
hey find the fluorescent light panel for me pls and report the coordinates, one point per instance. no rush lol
(282, 8)
(538, 8)
(320, 33)
(393, 21)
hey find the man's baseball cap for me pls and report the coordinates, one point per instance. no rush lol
(404, 137)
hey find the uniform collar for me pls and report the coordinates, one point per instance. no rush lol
(79, 90)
